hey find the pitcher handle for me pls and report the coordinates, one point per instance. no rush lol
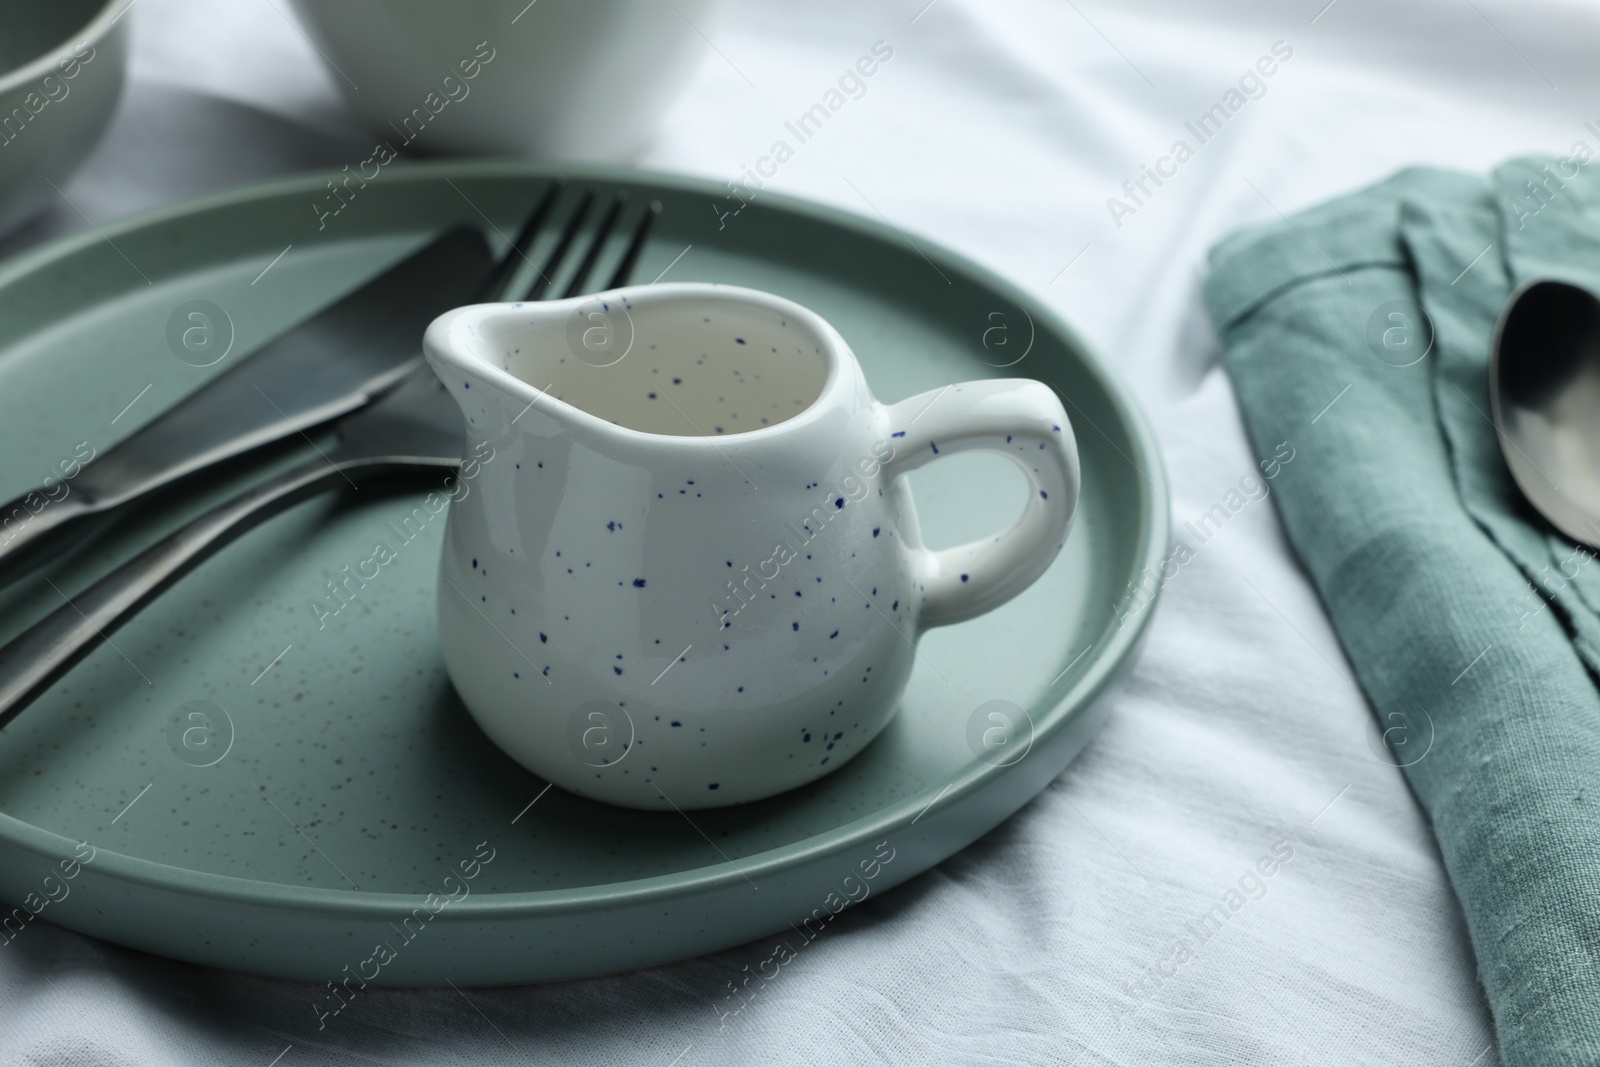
(1012, 417)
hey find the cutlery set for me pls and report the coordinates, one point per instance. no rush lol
(354, 366)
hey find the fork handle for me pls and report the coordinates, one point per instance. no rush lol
(38, 657)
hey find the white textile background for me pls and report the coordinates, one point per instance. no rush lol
(999, 129)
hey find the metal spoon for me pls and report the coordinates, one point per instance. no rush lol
(1544, 388)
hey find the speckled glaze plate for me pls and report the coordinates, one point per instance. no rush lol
(333, 814)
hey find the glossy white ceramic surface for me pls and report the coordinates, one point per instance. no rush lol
(682, 567)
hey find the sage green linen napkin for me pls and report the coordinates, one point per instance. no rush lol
(1359, 332)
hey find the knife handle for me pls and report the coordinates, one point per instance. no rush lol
(38, 527)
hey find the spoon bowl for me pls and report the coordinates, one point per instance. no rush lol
(1544, 388)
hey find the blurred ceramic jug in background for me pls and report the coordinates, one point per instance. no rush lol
(568, 79)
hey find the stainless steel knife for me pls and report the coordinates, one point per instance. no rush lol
(325, 367)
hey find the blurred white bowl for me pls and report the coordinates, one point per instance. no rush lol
(62, 65)
(570, 79)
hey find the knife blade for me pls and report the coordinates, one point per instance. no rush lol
(327, 366)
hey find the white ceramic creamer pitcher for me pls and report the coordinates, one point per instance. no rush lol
(691, 573)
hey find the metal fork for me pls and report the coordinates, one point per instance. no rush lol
(413, 434)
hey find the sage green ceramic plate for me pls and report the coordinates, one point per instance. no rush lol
(334, 797)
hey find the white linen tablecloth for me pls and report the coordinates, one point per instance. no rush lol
(1000, 129)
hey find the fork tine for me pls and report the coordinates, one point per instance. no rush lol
(515, 255)
(552, 262)
(597, 245)
(630, 259)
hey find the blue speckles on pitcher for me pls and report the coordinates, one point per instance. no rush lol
(707, 533)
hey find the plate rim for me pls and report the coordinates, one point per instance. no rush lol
(1101, 672)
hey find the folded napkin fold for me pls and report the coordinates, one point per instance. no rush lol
(1360, 333)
